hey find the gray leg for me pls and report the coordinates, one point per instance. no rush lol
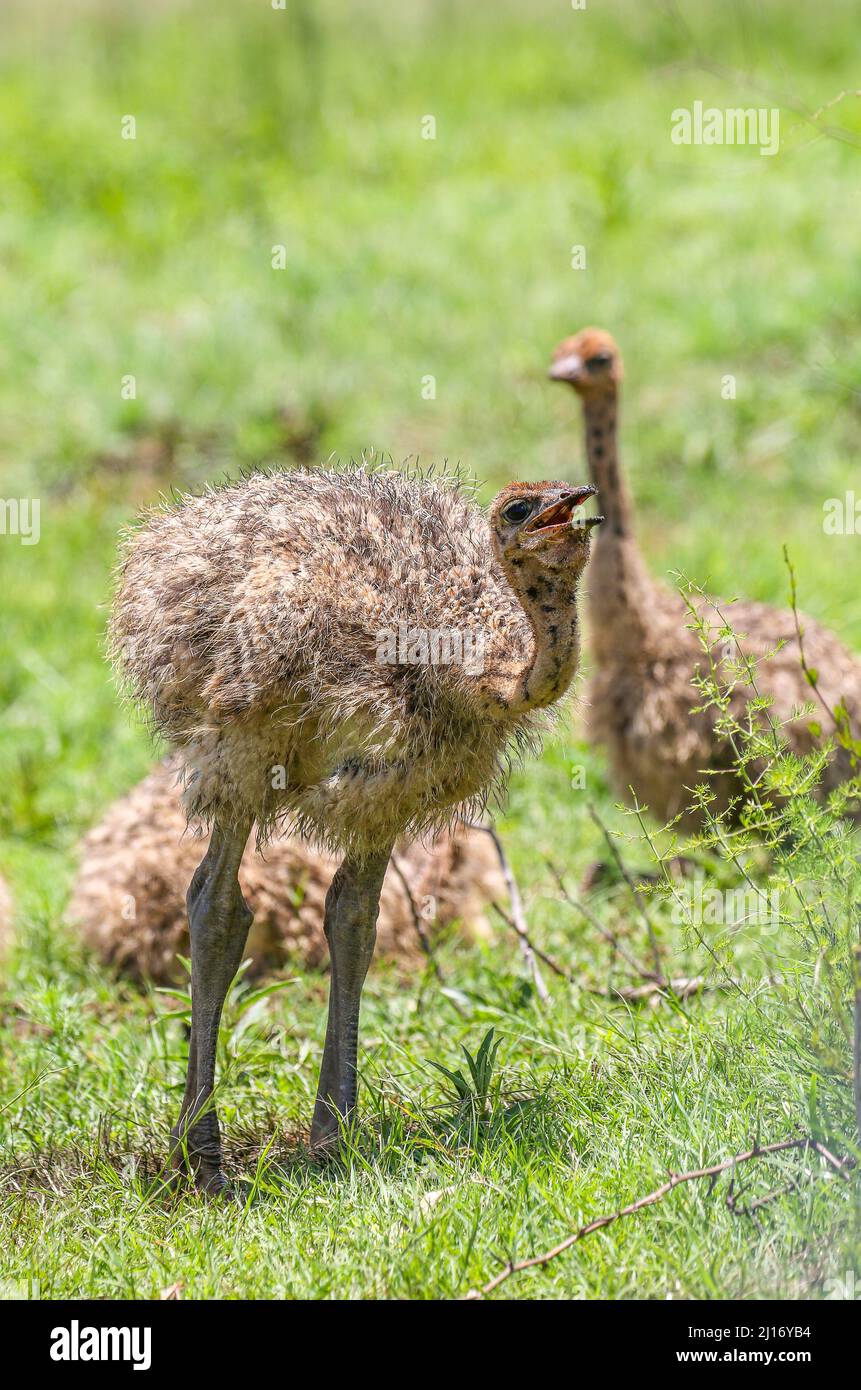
(352, 905)
(218, 920)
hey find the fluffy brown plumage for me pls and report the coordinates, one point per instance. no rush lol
(353, 656)
(641, 696)
(249, 621)
(129, 895)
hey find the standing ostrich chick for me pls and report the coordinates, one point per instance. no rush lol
(646, 656)
(255, 623)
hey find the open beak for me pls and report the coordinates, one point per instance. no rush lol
(566, 368)
(559, 516)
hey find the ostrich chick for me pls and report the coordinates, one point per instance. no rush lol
(642, 694)
(294, 636)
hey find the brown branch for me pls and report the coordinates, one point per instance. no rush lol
(643, 915)
(542, 955)
(682, 988)
(842, 1166)
(674, 1180)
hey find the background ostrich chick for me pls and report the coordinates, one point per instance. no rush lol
(646, 655)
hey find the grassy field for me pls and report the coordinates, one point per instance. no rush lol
(405, 258)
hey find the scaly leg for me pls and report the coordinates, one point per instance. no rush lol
(218, 920)
(352, 905)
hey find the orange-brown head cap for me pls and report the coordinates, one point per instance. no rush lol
(590, 362)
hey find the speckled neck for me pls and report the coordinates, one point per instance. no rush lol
(548, 597)
(600, 418)
(618, 581)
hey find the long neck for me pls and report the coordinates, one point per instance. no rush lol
(524, 674)
(617, 579)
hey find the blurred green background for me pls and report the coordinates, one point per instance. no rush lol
(404, 258)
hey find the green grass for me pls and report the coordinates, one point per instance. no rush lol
(407, 257)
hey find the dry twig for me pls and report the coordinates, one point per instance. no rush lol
(542, 955)
(682, 987)
(674, 1180)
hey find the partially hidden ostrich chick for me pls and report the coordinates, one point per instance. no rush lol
(128, 900)
(644, 705)
(354, 656)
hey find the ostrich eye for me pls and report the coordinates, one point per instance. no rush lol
(600, 359)
(517, 511)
